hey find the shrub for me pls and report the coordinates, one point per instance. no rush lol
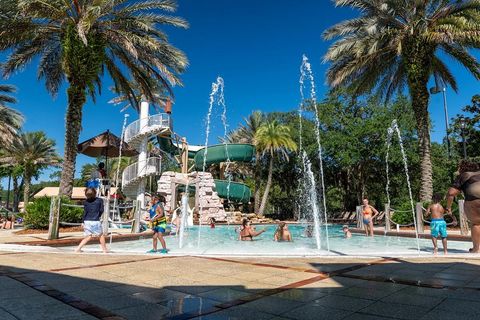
(403, 214)
(37, 213)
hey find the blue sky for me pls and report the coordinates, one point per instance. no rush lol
(256, 46)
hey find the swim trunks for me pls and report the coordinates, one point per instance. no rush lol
(92, 228)
(438, 226)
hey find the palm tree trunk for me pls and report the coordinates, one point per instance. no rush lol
(257, 182)
(267, 188)
(26, 190)
(417, 63)
(16, 191)
(420, 106)
(73, 123)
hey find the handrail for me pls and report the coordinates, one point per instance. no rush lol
(152, 165)
(160, 120)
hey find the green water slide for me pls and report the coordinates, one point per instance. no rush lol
(235, 152)
(237, 192)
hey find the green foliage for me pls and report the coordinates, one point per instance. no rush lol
(335, 196)
(37, 213)
(403, 214)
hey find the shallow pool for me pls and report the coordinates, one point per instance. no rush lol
(223, 240)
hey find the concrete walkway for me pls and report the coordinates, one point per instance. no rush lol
(97, 286)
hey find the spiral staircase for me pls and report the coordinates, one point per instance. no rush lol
(135, 134)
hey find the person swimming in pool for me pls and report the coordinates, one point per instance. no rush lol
(346, 232)
(282, 233)
(247, 232)
(468, 182)
(369, 213)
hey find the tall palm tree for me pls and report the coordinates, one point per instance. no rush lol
(158, 100)
(396, 44)
(10, 119)
(77, 40)
(245, 133)
(273, 140)
(32, 151)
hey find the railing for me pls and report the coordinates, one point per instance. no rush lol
(160, 120)
(138, 170)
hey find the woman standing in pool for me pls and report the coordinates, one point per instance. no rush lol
(369, 213)
(247, 232)
(468, 182)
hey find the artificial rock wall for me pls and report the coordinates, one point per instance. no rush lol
(207, 201)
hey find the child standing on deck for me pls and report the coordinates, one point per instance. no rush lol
(158, 223)
(438, 226)
(92, 211)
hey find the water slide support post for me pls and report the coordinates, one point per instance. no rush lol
(142, 155)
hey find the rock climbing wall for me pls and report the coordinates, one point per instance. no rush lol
(207, 199)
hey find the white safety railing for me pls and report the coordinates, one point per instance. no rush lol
(137, 170)
(157, 121)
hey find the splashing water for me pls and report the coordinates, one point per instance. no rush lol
(306, 74)
(390, 132)
(184, 217)
(216, 97)
(312, 199)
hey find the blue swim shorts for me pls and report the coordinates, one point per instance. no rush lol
(438, 226)
(160, 228)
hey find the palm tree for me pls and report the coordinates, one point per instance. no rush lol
(246, 134)
(273, 139)
(396, 44)
(159, 100)
(32, 151)
(78, 40)
(10, 120)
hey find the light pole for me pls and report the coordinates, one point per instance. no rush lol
(435, 90)
(463, 126)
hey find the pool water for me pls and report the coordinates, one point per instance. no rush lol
(223, 240)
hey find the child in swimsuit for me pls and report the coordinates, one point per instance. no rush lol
(438, 226)
(368, 215)
(158, 222)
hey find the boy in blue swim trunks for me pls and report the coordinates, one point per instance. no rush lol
(438, 226)
(158, 222)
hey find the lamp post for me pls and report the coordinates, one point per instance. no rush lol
(435, 90)
(463, 126)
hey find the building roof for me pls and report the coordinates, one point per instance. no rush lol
(78, 193)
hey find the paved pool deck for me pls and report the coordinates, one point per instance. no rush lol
(102, 286)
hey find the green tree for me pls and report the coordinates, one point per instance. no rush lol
(396, 44)
(273, 140)
(77, 40)
(32, 151)
(10, 120)
(245, 133)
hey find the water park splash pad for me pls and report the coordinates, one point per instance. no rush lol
(223, 241)
(212, 194)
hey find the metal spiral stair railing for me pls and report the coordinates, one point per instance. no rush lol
(135, 173)
(157, 124)
(135, 133)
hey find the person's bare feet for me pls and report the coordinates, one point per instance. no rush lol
(445, 252)
(471, 250)
(435, 251)
(78, 251)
